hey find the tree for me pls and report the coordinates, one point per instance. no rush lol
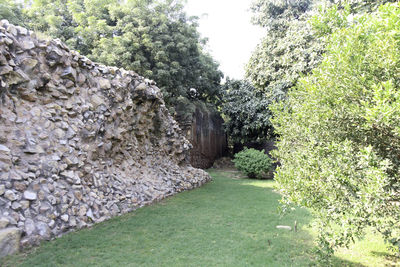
(358, 6)
(289, 49)
(12, 12)
(277, 14)
(338, 14)
(246, 111)
(162, 43)
(281, 58)
(292, 47)
(53, 19)
(152, 37)
(296, 39)
(339, 134)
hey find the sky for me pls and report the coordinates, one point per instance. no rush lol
(232, 37)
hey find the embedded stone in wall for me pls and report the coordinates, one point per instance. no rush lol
(9, 241)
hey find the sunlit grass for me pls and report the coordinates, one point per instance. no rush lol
(261, 183)
(370, 251)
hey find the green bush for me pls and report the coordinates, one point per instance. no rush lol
(340, 134)
(254, 163)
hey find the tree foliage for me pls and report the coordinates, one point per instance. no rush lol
(277, 14)
(336, 14)
(294, 43)
(12, 11)
(289, 49)
(296, 40)
(339, 133)
(152, 37)
(362, 6)
(246, 111)
(278, 62)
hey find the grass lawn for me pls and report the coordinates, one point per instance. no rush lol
(227, 222)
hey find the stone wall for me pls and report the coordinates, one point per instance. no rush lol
(79, 142)
(208, 138)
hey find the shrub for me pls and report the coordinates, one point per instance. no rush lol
(254, 163)
(340, 134)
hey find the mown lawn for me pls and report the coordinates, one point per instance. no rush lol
(228, 222)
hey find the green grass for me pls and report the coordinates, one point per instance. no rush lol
(370, 251)
(227, 222)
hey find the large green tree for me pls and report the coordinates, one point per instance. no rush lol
(339, 133)
(292, 47)
(152, 37)
(162, 43)
(282, 57)
(247, 113)
(296, 39)
(289, 49)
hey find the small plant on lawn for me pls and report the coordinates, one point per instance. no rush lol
(254, 163)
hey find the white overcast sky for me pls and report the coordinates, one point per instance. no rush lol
(232, 37)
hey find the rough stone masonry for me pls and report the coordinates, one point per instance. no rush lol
(79, 142)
